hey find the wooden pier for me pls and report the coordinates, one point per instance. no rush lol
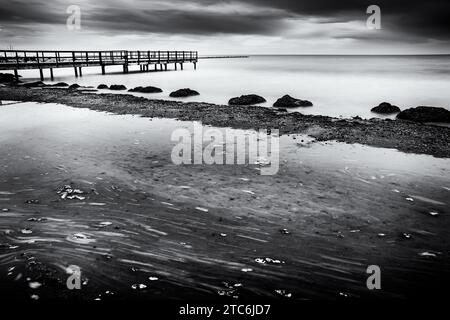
(28, 59)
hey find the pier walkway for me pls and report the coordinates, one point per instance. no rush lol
(28, 59)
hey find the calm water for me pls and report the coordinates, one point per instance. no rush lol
(337, 85)
(346, 207)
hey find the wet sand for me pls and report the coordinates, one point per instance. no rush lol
(204, 232)
(386, 133)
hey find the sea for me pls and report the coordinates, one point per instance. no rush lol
(338, 85)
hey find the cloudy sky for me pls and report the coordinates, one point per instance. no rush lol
(230, 27)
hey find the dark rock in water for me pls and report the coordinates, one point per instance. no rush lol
(102, 86)
(246, 100)
(7, 78)
(59, 84)
(186, 92)
(74, 86)
(117, 87)
(148, 89)
(288, 102)
(386, 108)
(282, 109)
(34, 84)
(425, 114)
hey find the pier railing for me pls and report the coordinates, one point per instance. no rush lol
(27, 59)
(42, 59)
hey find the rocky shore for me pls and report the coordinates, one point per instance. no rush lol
(399, 134)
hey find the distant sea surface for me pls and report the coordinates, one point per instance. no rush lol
(344, 86)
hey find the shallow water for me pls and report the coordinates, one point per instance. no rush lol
(201, 230)
(337, 85)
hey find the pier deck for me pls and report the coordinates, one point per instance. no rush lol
(27, 59)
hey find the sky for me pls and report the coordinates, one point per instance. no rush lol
(229, 27)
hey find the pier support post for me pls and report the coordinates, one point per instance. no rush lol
(16, 75)
(76, 71)
(103, 69)
(81, 74)
(41, 73)
(176, 67)
(195, 65)
(165, 66)
(181, 65)
(51, 74)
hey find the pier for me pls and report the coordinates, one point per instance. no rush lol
(30, 59)
(224, 57)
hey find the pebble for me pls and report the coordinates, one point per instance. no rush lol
(36, 219)
(34, 285)
(68, 192)
(284, 293)
(139, 286)
(32, 201)
(268, 261)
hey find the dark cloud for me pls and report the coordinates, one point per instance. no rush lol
(425, 18)
(27, 12)
(176, 21)
(412, 18)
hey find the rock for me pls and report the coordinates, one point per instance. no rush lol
(186, 92)
(386, 108)
(288, 102)
(117, 87)
(148, 89)
(282, 110)
(246, 100)
(425, 114)
(102, 86)
(34, 84)
(7, 78)
(59, 84)
(74, 86)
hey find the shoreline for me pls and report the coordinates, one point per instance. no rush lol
(402, 135)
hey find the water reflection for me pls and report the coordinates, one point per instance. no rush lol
(308, 232)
